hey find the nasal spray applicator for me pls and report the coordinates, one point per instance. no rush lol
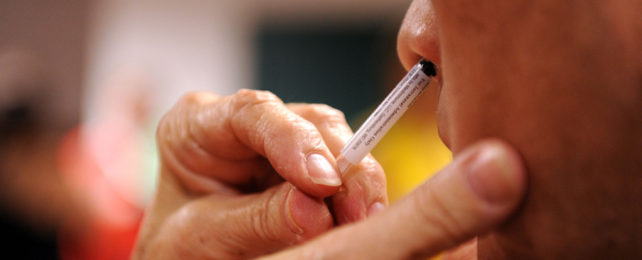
(386, 115)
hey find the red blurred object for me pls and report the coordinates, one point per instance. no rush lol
(113, 221)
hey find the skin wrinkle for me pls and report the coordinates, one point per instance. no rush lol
(338, 129)
(369, 166)
(333, 127)
(188, 131)
(192, 179)
(197, 131)
(357, 180)
(234, 243)
(246, 101)
(190, 142)
(188, 178)
(228, 125)
(355, 190)
(563, 84)
(289, 125)
(219, 121)
(263, 126)
(520, 71)
(445, 225)
(264, 225)
(325, 117)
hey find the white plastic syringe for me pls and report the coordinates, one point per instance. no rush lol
(386, 114)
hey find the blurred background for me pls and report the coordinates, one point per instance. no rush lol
(84, 83)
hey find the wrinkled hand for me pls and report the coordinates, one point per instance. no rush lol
(245, 175)
(475, 193)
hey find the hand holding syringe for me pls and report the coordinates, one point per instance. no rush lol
(386, 114)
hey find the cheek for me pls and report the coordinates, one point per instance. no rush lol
(470, 110)
(480, 66)
(461, 115)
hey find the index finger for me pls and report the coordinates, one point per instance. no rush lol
(364, 186)
(226, 139)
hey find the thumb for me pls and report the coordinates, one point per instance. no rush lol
(228, 227)
(475, 193)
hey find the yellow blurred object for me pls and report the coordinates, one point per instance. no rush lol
(410, 154)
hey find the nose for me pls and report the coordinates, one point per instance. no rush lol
(418, 37)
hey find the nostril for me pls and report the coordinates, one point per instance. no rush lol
(418, 36)
(428, 68)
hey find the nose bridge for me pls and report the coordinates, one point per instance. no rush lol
(418, 37)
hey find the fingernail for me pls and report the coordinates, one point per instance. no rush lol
(375, 208)
(294, 227)
(321, 171)
(494, 174)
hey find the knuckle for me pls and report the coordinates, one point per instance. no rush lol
(372, 165)
(254, 104)
(172, 129)
(325, 113)
(368, 169)
(368, 178)
(195, 97)
(176, 122)
(189, 97)
(262, 220)
(250, 97)
(373, 172)
(166, 130)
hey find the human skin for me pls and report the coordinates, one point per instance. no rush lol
(234, 184)
(238, 180)
(561, 82)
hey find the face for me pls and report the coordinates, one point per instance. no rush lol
(560, 81)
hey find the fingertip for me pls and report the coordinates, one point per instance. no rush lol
(363, 193)
(318, 176)
(307, 216)
(481, 188)
(496, 174)
(321, 171)
(310, 172)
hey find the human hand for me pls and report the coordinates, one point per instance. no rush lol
(476, 192)
(244, 175)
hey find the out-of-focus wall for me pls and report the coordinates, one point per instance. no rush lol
(178, 45)
(185, 45)
(344, 12)
(171, 47)
(53, 32)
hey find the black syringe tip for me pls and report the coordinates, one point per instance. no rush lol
(428, 68)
